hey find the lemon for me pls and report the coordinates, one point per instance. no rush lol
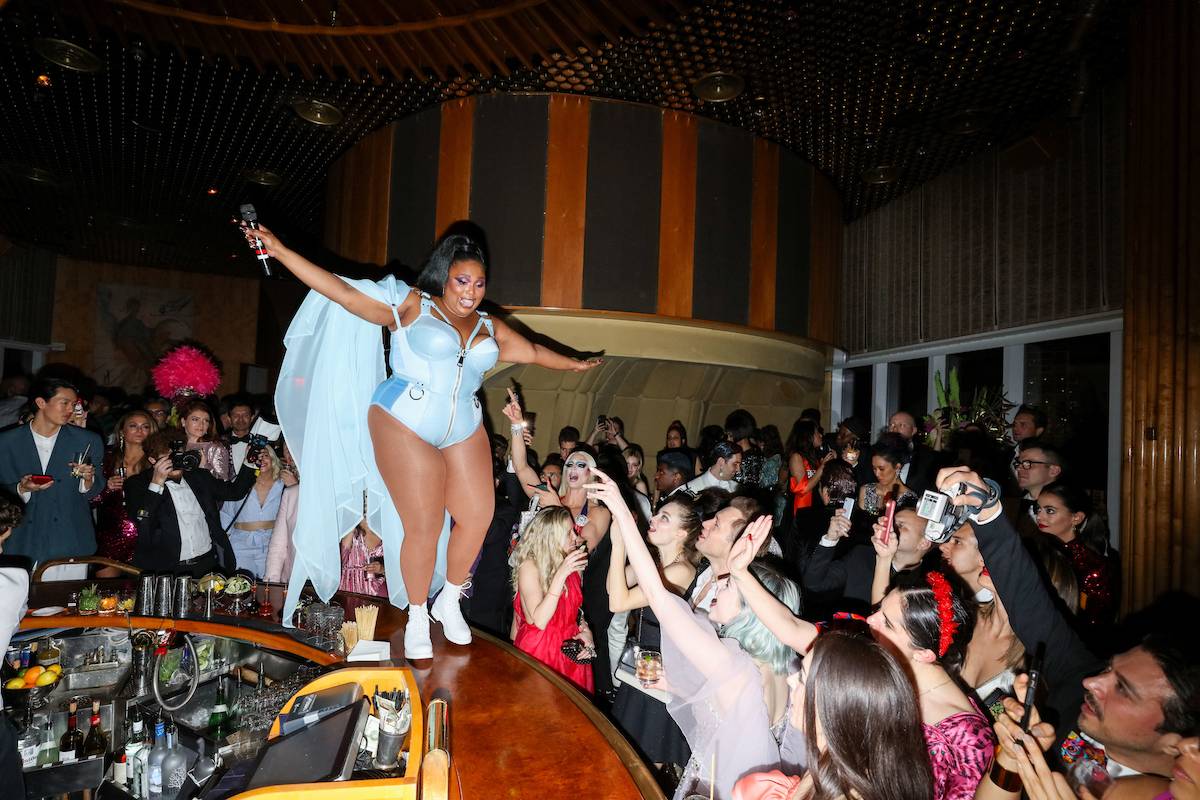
(15, 683)
(47, 678)
(55, 668)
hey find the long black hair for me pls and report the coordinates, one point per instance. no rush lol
(800, 440)
(436, 269)
(924, 623)
(1092, 531)
(864, 700)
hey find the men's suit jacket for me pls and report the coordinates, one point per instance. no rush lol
(58, 520)
(159, 540)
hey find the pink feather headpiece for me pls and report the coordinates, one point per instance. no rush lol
(186, 369)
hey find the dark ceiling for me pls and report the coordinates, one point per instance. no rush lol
(188, 97)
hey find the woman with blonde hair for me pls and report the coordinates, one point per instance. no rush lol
(547, 566)
(251, 520)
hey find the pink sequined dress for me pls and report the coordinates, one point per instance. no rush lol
(355, 556)
(116, 533)
(960, 752)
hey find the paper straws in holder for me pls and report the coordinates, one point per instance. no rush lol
(366, 617)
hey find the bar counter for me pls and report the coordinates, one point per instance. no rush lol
(517, 730)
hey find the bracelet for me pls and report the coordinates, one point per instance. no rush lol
(516, 427)
(1003, 779)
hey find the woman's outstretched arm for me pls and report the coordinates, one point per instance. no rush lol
(516, 442)
(323, 281)
(516, 349)
(697, 642)
(796, 633)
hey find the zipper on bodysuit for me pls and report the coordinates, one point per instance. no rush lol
(462, 355)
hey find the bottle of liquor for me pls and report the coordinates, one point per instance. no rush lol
(121, 771)
(154, 781)
(218, 721)
(96, 743)
(141, 767)
(28, 741)
(70, 746)
(48, 746)
(133, 744)
(174, 766)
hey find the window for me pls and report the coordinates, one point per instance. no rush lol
(912, 387)
(977, 369)
(1068, 379)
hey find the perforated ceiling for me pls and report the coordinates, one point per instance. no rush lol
(121, 163)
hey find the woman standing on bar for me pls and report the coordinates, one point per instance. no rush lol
(419, 450)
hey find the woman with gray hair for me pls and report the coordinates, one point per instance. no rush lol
(728, 686)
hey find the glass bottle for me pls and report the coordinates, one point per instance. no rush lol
(96, 743)
(174, 766)
(48, 746)
(218, 721)
(141, 765)
(154, 771)
(70, 746)
(28, 742)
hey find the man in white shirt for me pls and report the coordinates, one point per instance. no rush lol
(241, 419)
(177, 512)
(726, 459)
(49, 463)
(717, 536)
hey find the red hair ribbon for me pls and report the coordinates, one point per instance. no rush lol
(945, 610)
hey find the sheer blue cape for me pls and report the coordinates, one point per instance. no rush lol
(333, 363)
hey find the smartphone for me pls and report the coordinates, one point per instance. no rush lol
(888, 517)
(1031, 689)
(601, 421)
(847, 507)
(538, 486)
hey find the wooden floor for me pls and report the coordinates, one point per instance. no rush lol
(517, 730)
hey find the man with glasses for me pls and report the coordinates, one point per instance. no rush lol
(1038, 464)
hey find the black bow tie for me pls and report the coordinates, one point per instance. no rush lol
(239, 439)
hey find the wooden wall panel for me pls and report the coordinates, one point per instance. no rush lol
(620, 251)
(454, 162)
(566, 202)
(413, 223)
(724, 173)
(794, 244)
(358, 195)
(1160, 482)
(677, 220)
(825, 277)
(764, 234)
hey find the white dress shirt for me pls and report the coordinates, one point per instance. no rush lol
(707, 479)
(45, 447)
(194, 539)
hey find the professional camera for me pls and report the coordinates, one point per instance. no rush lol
(255, 446)
(944, 517)
(184, 460)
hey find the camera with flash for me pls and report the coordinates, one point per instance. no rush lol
(944, 517)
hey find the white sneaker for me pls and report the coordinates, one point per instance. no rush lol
(416, 633)
(447, 611)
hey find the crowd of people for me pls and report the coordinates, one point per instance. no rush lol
(813, 636)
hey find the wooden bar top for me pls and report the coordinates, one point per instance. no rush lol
(517, 730)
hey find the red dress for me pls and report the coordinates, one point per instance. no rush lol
(546, 645)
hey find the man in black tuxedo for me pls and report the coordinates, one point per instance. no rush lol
(177, 512)
(923, 462)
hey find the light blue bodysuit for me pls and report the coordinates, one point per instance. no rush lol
(435, 378)
(332, 373)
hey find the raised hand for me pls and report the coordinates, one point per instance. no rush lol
(512, 409)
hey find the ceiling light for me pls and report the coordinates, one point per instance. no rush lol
(212, 190)
(718, 87)
(68, 55)
(318, 112)
(880, 175)
(263, 177)
(31, 173)
(43, 81)
(967, 121)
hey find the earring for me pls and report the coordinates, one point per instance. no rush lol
(121, 441)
